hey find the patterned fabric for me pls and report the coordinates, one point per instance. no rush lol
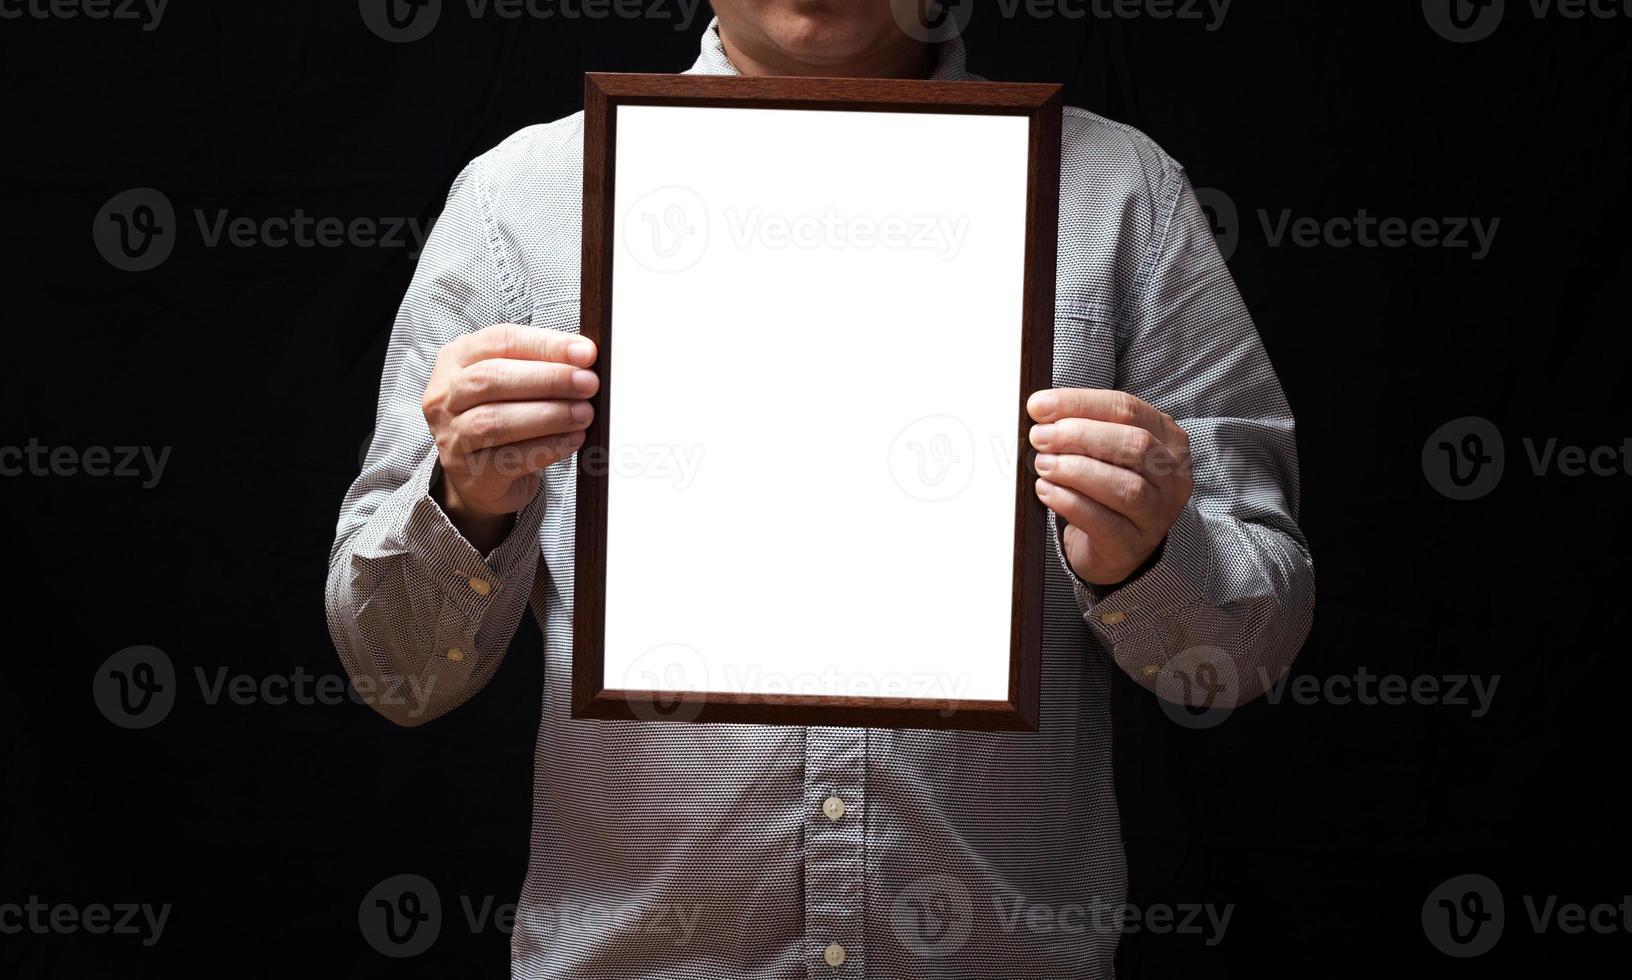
(687, 851)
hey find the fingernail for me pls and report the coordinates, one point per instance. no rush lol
(1042, 435)
(1046, 461)
(581, 411)
(1044, 487)
(581, 350)
(584, 381)
(1043, 403)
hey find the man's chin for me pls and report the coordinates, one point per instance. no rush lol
(822, 37)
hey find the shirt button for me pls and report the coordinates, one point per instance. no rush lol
(834, 808)
(1113, 618)
(455, 654)
(481, 586)
(834, 955)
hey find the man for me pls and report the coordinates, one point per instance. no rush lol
(687, 851)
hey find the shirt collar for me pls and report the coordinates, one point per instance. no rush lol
(949, 61)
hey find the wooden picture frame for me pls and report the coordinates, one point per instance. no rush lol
(668, 691)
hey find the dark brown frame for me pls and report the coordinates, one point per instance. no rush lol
(1041, 103)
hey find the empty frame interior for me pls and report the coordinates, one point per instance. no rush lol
(814, 368)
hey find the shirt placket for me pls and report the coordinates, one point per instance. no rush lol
(835, 852)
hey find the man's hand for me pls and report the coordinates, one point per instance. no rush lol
(503, 403)
(1115, 469)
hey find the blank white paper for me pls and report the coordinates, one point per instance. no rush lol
(814, 401)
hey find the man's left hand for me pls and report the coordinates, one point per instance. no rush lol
(1115, 469)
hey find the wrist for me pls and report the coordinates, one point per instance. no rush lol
(484, 530)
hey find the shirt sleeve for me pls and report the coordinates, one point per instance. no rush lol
(421, 619)
(1224, 607)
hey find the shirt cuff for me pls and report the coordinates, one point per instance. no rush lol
(470, 580)
(1178, 578)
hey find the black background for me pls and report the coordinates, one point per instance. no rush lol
(1325, 825)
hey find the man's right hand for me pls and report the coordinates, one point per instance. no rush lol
(503, 403)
